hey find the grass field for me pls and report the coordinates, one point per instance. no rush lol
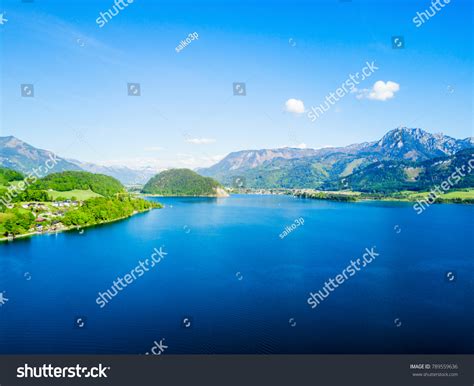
(341, 192)
(463, 194)
(78, 194)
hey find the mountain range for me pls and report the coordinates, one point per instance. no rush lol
(325, 168)
(402, 154)
(18, 155)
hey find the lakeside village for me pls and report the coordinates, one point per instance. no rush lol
(47, 215)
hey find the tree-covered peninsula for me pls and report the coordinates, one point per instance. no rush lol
(183, 182)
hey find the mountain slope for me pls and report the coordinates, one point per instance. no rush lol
(20, 156)
(248, 159)
(391, 176)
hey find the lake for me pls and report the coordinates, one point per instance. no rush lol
(231, 284)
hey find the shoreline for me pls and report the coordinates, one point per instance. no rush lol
(356, 197)
(341, 196)
(389, 199)
(218, 192)
(174, 195)
(71, 228)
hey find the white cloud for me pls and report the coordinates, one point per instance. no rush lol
(381, 91)
(298, 146)
(294, 106)
(301, 146)
(200, 141)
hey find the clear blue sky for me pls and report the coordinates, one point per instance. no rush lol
(80, 73)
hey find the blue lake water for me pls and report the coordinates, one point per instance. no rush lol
(243, 288)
